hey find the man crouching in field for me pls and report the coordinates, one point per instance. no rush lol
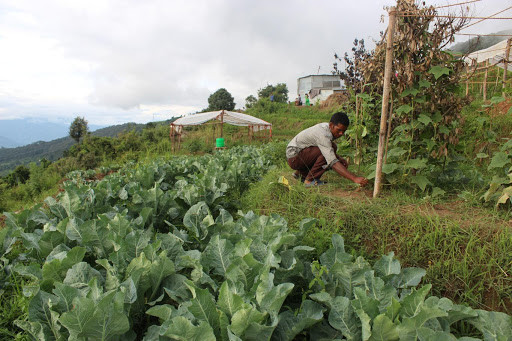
(312, 152)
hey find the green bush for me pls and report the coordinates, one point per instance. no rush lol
(194, 145)
(19, 176)
(128, 141)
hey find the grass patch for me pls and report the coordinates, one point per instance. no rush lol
(13, 306)
(466, 251)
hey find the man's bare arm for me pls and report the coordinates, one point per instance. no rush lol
(344, 172)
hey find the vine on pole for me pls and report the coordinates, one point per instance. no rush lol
(385, 101)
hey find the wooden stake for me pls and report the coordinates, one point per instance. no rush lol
(467, 80)
(385, 101)
(485, 79)
(357, 159)
(505, 65)
(171, 133)
(221, 123)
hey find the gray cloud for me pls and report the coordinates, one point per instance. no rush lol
(176, 53)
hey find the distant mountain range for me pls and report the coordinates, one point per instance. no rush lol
(7, 142)
(15, 133)
(51, 150)
(479, 43)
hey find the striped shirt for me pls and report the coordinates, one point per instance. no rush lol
(318, 135)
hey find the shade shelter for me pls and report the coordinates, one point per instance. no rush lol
(481, 61)
(218, 118)
(495, 55)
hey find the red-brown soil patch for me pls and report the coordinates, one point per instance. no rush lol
(500, 109)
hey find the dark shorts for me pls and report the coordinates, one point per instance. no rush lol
(310, 162)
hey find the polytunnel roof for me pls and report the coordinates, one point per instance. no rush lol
(231, 117)
(495, 54)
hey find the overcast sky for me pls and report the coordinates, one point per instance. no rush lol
(116, 61)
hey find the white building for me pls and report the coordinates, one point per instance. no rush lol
(318, 87)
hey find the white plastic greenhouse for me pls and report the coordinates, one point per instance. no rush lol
(220, 117)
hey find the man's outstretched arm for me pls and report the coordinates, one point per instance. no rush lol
(344, 172)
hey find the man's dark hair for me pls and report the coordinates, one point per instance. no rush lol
(340, 117)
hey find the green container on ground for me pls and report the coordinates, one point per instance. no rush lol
(219, 143)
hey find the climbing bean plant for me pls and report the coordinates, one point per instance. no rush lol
(426, 96)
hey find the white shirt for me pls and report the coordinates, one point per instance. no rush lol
(318, 135)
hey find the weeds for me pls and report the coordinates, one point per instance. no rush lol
(13, 306)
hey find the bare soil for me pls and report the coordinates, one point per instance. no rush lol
(501, 108)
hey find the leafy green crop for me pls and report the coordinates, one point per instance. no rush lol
(500, 187)
(152, 253)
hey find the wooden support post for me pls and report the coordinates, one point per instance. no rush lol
(467, 80)
(222, 123)
(213, 132)
(171, 136)
(484, 90)
(357, 156)
(473, 72)
(505, 65)
(385, 101)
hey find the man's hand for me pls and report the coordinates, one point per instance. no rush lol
(361, 181)
(339, 168)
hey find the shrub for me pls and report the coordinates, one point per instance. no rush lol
(19, 176)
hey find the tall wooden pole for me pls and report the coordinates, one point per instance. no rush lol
(385, 101)
(172, 137)
(505, 64)
(485, 79)
(467, 80)
(221, 123)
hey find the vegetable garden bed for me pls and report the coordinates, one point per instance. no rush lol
(158, 252)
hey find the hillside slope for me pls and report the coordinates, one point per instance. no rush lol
(22, 132)
(52, 150)
(479, 43)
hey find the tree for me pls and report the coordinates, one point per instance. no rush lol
(353, 74)
(250, 101)
(280, 92)
(78, 128)
(44, 162)
(19, 176)
(221, 100)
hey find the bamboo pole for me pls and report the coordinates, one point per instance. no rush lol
(385, 101)
(505, 65)
(358, 158)
(474, 66)
(467, 80)
(485, 79)
(222, 123)
(213, 134)
(171, 133)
